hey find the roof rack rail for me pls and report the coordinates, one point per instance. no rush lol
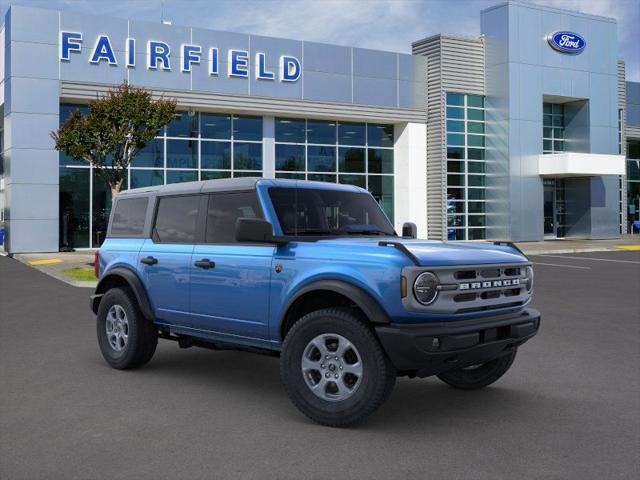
(400, 246)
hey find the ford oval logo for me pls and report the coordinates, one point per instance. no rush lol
(567, 42)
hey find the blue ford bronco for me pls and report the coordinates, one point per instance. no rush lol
(312, 272)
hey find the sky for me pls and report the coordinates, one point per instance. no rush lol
(378, 24)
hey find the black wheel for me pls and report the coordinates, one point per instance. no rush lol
(334, 369)
(126, 338)
(481, 375)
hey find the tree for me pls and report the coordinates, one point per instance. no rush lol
(117, 126)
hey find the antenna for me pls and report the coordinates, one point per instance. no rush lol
(162, 19)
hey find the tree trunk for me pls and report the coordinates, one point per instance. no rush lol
(115, 188)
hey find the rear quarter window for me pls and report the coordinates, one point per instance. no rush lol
(129, 216)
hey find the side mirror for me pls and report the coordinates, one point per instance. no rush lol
(409, 230)
(253, 230)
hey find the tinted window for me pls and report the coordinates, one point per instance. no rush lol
(176, 219)
(128, 218)
(303, 211)
(224, 210)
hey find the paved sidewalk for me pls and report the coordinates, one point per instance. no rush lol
(627, 242)
(55, 264)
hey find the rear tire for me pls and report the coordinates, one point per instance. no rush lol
(126, 338)
(479, 376)
(334, 369)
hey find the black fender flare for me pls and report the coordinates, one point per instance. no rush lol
(133, 281)
(363, 300)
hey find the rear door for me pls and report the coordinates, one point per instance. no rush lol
(165, 259)
(230, 281)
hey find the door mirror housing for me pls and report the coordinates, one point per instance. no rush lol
(255, 230)
(409, 230)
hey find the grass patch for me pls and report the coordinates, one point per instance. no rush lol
(82, 274)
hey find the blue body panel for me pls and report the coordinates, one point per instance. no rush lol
(243, 299)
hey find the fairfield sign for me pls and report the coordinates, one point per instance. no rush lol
(159, 56)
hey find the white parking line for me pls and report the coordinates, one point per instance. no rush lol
(558, 265)
(590, 258)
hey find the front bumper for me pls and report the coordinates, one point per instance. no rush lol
(430, 349)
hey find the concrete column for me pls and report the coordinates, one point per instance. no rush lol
(410, 180)
(31, 112)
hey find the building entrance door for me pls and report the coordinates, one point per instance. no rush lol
(555, 208)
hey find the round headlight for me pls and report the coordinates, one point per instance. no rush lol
(425, 288)
(529, 276)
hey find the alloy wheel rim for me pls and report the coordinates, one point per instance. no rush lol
(117, 328)
(332, 367)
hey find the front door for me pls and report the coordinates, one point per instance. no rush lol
(555, 208)
(165, 259)
(230, 281)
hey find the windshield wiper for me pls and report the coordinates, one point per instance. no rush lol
(312, 231)
(365, 231)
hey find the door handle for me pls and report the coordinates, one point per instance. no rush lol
(204, 263)
(149, 260)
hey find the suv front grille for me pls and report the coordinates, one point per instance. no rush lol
(474, 288)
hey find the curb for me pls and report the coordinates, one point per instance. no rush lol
(572, 250)
(57, 276)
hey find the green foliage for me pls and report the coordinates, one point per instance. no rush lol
(117, 126)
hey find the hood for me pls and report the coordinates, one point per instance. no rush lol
(436, 253)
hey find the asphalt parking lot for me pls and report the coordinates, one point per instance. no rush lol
(569, 407)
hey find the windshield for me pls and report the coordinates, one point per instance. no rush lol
(305, 211)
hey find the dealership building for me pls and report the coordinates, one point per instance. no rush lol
(528, 132)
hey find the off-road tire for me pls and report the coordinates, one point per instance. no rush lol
(378, 377)
(142, 334)
(485, 374)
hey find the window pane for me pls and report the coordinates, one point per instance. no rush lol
(247, 156)
(476, 167)
(476, 193)
(558, 145)
(351, 160)
(475, 140)
(290, 157)
(182, 154)
(215, 155)
(290, 130)
(224, 210)
(455, 207)
(380, 135)
(475, 153)
(292, 176)
(319, 131)
(67, 160)
(455, 98)
(183, 125)
(455, 167)
(101, 199)
(547, 145)
(546, 108)
(66, 109)
(321, 159)
(476, 234)
(351, 133)
(176, 219)
(454, 112)
(633, 149)
(476, 220)
(179, 176)
(475, 127)
(455, 180)
(477, 115)
(455, 193)
(204, 175)
(476, 180)
(215, 126)
(558, 121)
(477, 207)
(322, 178)
(455, 139)
(456, 234)
(475, 101)
(455, 126)
(129, 216)
(357, 180)
(633, 169)
(557, 108)
(151, 155)
(547, 132)
(455, 221)
(74, 207)
(145, 178)
(381, 187)
(237, 174)
(547, 120)
(247, 128)
(558, 133)
(455, 152)
(380, 161)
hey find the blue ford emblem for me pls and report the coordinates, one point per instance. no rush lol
(567, 42)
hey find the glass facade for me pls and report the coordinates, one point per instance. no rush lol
(552, 128)
(633, 182)
(466, 173)
(345, 152)
(194, 146)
